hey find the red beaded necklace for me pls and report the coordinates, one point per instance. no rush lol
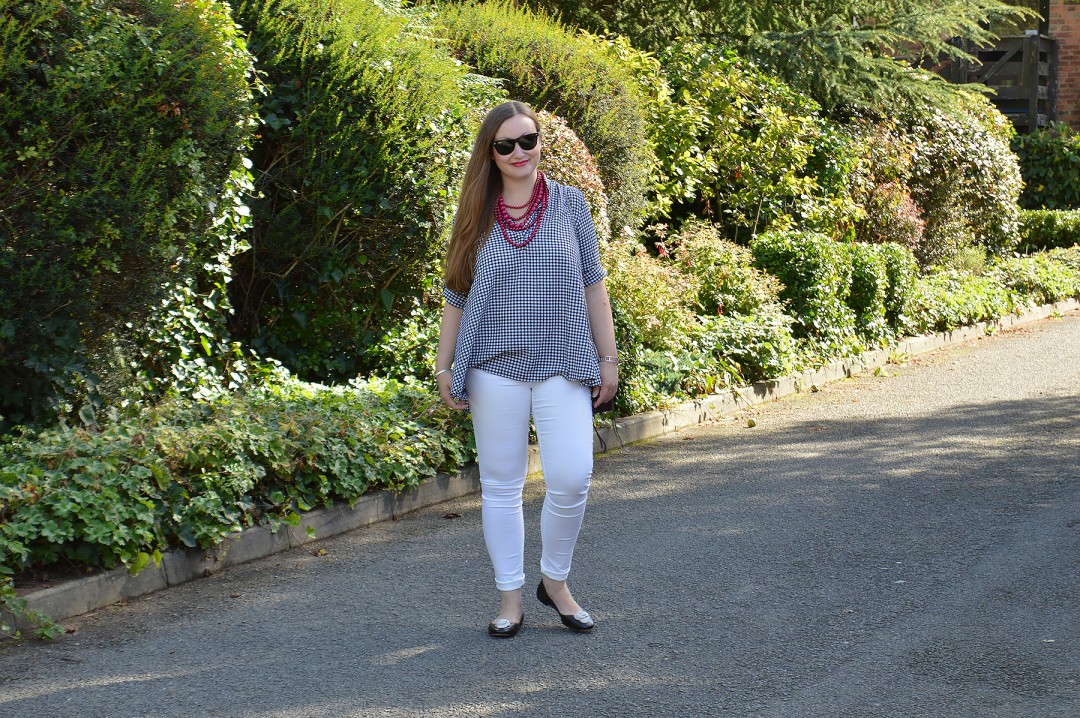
(534, 213)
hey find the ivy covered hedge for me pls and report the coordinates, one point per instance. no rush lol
(121, 123)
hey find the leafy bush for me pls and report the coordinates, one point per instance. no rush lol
(728, 283)
(655, 297)
(407, 351)
(964, 177)
(816, 275)
(902, 272)
(190, 474)
(757, 346)
(1048, 228)
(365, 132)
(734, 143)
(869, 288)
(121, 124)
(1050, 164)
(570, 75)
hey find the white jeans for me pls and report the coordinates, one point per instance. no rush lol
(562, 415)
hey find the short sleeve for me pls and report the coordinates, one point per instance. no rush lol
(456, 299)
(589, 246)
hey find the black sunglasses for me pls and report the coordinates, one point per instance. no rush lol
(527, 142)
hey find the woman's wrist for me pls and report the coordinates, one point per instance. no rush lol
(442, 371)
(611, 359)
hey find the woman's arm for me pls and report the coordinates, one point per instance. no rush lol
(444, 357)
(603, 331)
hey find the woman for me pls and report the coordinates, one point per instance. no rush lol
(526, 331)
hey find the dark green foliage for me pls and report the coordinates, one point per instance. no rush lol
(649, 24)
(365, 130)
(1048, 228)
(1050, 164)
(860, 52)
(120, 125)
(816, 275)
(842, 53)
(552, 69)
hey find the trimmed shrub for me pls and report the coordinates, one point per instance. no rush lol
(902, 272)
(816, 275)
(120, 126)
(553, 69)
(366, 129)
(1042, 229)
(1050, 164)
(869, 287)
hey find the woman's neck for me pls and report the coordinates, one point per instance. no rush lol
(518, 191)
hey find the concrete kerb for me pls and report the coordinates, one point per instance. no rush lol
(79, 596)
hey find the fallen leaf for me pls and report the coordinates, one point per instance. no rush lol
(452, 515)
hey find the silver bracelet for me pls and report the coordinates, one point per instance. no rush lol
(611, 359)
(442, 371)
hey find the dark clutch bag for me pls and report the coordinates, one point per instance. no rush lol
(608, 405)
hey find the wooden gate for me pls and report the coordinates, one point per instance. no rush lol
(1021, 71)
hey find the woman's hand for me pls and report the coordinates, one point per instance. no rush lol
(444, 380)
(609, 383)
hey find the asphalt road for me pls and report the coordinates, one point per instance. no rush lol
(904, 545)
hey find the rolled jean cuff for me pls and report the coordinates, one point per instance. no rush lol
(554, 575)
(511, 585)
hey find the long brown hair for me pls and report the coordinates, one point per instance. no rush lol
(476, 203)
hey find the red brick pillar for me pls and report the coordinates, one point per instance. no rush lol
(1065, 28)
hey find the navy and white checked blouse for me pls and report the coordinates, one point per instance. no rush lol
(525, 316)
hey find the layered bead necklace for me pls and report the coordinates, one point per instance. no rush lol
(534, 213)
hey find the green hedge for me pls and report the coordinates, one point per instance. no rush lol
(121, 123)
(553, 69)
(869, 289)
(1042, 229)
(816, 274)
(1050, 164)
(366, 128)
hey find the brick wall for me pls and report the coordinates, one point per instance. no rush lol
(1065, 28)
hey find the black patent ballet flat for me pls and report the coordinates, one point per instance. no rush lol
(505, 628)
(580, 621)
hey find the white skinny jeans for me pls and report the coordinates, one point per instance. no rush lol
(562, 414)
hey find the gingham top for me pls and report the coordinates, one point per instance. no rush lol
(525, 316)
